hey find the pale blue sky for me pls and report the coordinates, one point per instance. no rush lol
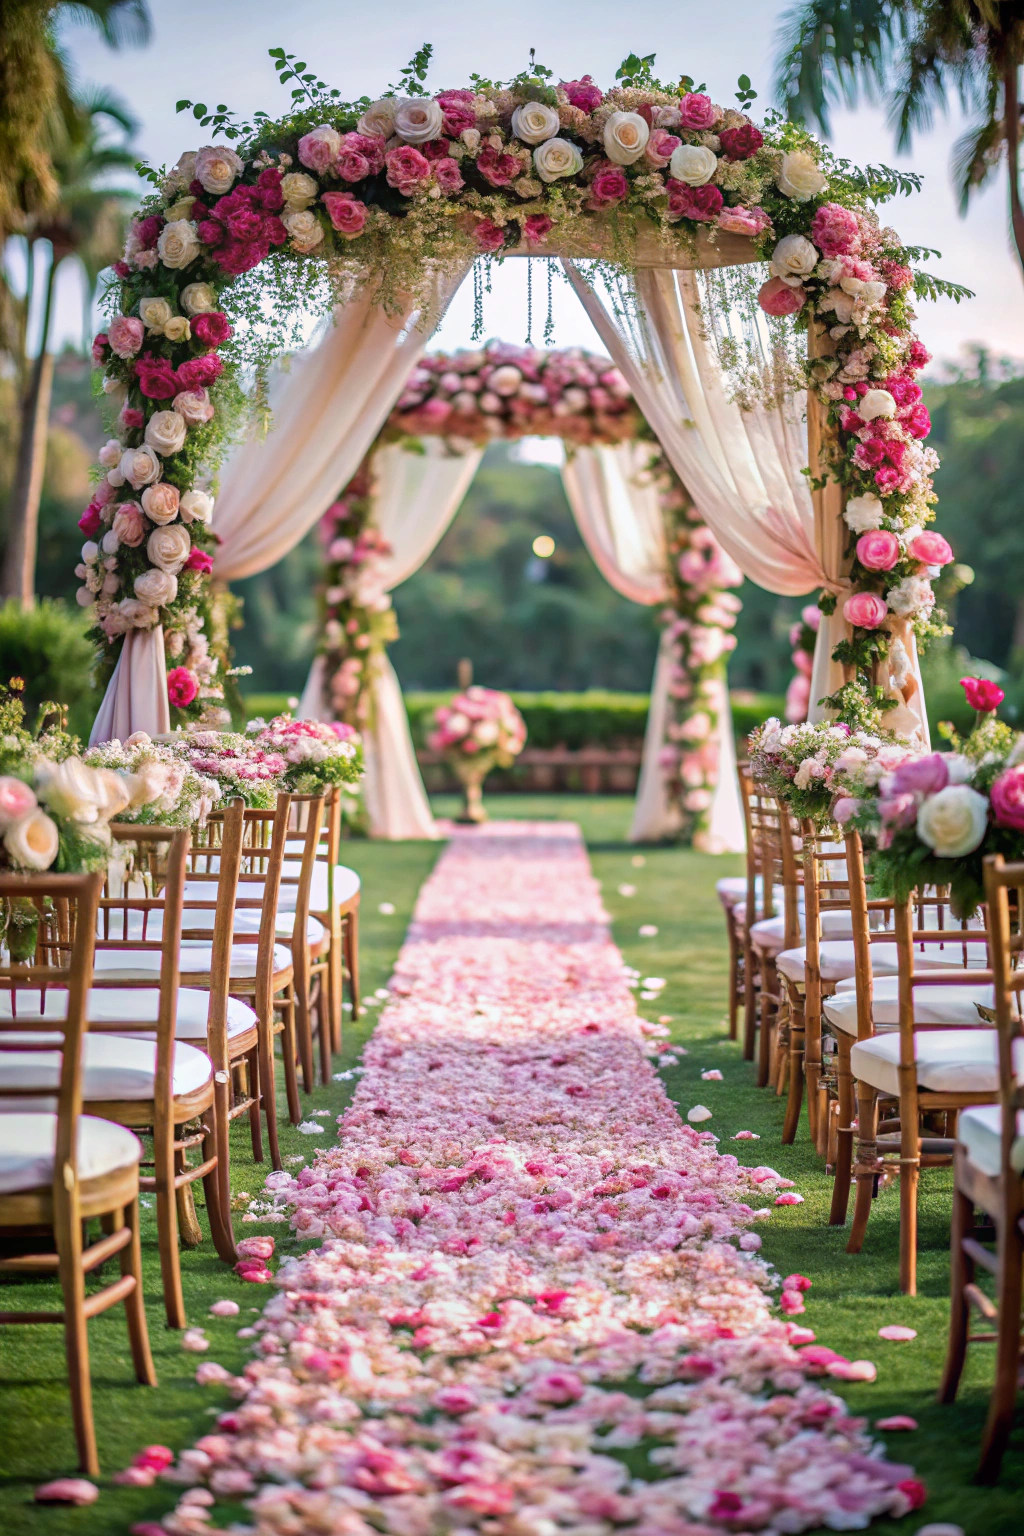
(216, 50)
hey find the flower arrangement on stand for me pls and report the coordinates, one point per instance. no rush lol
(163, 785)
(698, 619)
(479, 730)
(802, 637)
(806, 765)
(317, 755)
(237, 763)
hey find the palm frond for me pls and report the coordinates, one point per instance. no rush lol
(833, 51)
(976, 154)
(121, 23)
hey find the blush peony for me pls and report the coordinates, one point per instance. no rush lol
(865, 610)
(930, 548)
(778, 298)
(879, 550)
(1007, 797)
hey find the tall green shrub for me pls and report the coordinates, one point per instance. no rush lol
(49, 648)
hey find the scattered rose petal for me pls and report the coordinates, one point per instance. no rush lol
(654, 983)
(210, 1373)
(154, 1458)
(638, 861)
(311, 1128)
(714, 1076)
(940, 1528)
(194, 1339)
(386, 909)
(648, 931)
(789, 1198)
(135, 1477)
(257, 1248)
(800, 1335)
(853, 1370)
(627, 890)
(67, 1490)
(746, 1136)
(897, 1333)
(897, 1421)
(698, 1114)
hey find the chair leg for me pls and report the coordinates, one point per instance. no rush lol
(910, 1177)
(303, 1027)
(134, 1306)
(734, 974)
(288, 1054)
(76, 1343)
(268, 1087)
(749, 1001)
(335, 982)
(844, 1136)
(812, 1071)
(167, 1225)
(796, 1074)
(351, 948)
(867, 1163)
(324, 1021)
(255, 1088)
(961, 1275)
(218, 1210)
(769, 982)
(1008, 1340)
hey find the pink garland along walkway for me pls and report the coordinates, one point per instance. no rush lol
(538, 1307)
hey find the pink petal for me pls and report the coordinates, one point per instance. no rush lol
(799, 1335)
(896, 1333)
(792, 1198)
(67, 1490)
(853, 1370)
(746, 1136)
(135, 1477)
(897, 1421)
(224, 1309)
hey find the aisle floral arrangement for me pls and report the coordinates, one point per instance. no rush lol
(317, 755)
(237, 763)
(394, 192)
(803, 636)
(480, 730)
(164, 786)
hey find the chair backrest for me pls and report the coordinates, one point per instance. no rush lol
(1004, 898)
(747, 794)
(826, 888)
(50, 932)
(912, 940)
(305, 827)
(777, 839)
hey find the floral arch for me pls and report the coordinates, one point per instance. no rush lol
(664, 209)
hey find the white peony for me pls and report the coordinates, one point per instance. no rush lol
(299, 191)
(418, 119)
(196, 507)
(217, 169)
(71, 789)
(156, 588)
(305, 230)
(141, 466)
(533, 122)
(154, 314)
(862, 513)
(799, 176)
(168, 548)
(198, 299)
(953, 822)
(913, 595)
(194, 406)
(877, 402)
(32, 843)
(625, 137)
(178, 244)
(378, 121)
(556, 158)
(693, 164)
(165, 432)
(793, 259)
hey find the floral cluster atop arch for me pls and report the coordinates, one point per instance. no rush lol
(387, 192)
(503, 393)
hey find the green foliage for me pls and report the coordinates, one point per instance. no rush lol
(49, 647)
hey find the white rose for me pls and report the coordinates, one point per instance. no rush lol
(862, 513)
(110, 453)
(178, 243)
(418, 119)
(196, 507)
(556, 158)
(299, 190)
(156, 588)
(217, 168)
(625, 137)
(178, 329)
(168, 548)
(693, 164)
(305, 230)
(799, 177)
(160, 503)
(793, 259)
(141, 466)
(183, 174)
(71, 789)
(953, 821)
(379, 119)
(182, 209)
(198, 299)
(877, 402)
(912, 595)
(133, 613)
(193, 406)
(154, 314)
(470, 137)
(111, 542)
(84, 597)
(165, 432)
(533, 122)
(115, 389)
(32, 843)
(506, 379)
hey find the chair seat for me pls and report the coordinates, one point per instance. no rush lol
(114, 1005)
(346, 885)
(247, 920)
(948, 1061)
(733, 888)
(195, 958)
(113, 1067)
(28, 1140)
(980, 1130)
(932, 1005)
(838, 963)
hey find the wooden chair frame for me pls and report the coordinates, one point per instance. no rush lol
(776, 837)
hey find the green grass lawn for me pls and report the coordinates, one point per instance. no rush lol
(851, 1298)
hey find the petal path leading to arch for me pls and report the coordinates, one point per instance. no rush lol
(539, 1304)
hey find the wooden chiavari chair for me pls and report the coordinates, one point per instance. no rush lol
(989, 1177)
(758, 907)
(776, 838)
(732, 892)
(60, 1169)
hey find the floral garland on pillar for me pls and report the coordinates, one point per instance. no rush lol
(234, 247)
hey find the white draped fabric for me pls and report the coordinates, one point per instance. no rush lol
(415, 496)
(136, 696)
(328, 408)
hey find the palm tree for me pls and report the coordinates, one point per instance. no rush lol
(917, 55)
(87, 222)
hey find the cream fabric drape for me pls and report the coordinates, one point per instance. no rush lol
(414, 499)
(136, 696)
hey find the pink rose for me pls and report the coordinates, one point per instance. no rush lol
(609, 186)
(835, 230)
(346, 213)
(352, 166)
(407, 169)
(865, 610)
(697, 112)
(447, 175)
(256, 1248)
(536, 230)
(91, 520)
(182, 687)
(16, 800)
(982, 694)
(199, 560)
(778, 298)
(156, 377)
(660, 147)
(198, 373)
(318, 149)
(126, 335)
(878, 550)
(743, 221)
(489, 236)
(100, 343)
(129, 524)
(132, 419)
(583, 94)
(703, 204)
(194, 406)
(921, 775)
(930, 548)
(1007, 797)
(845, 807)
(741, 143)
(498, 168)
(212, 328)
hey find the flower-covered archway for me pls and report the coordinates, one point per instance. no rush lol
(378, 210)
(618, 483)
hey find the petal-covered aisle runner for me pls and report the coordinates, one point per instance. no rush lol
(538, 1306)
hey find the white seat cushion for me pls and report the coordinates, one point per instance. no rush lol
(113, 1067)
(112, 1005)
(733, 888)
(27, 1144)
(837, 961)
(195, 959)
(932, 1005)
(980, 1129)
(346, 885)
(948, 1060)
